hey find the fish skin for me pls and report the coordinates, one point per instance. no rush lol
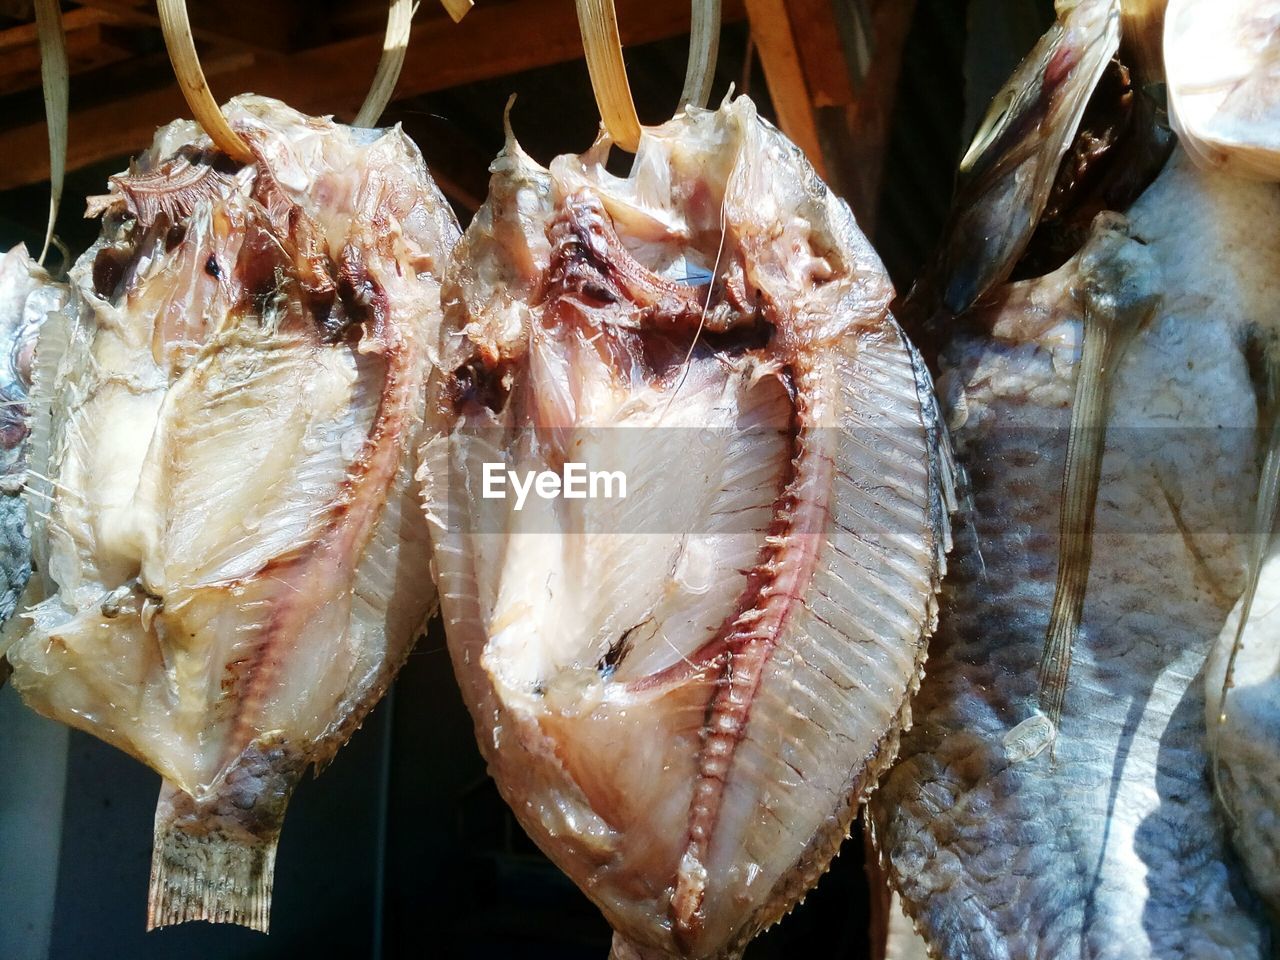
(1244, 746)
(1006, 838)
(696, 786)
(27, 295)
(236, 561)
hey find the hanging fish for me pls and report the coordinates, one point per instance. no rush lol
(235, 558)
(685, 692)
(1223, 64)
(1053, 798)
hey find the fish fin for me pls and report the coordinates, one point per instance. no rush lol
(214, 857)
(1017, 150)
(55, 340)
(1118, 291)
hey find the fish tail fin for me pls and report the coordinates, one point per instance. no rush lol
(201, 873)
(214, 856)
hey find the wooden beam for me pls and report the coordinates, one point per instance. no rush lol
(775, 41)
(91, 42)
(268, 26)
(26, 35)
(333, 78)
(868, 115)
(832, 69)
(828, 65)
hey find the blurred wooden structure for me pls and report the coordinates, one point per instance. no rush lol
(831, 67)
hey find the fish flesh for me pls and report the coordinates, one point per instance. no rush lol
(27, 295)
(1053, 798)
(1222, 58)
(683, 693)
(235, 558)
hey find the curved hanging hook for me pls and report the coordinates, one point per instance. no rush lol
(598, 21)
(176, 27)
(399, 27)
(57, 82)
(704, 48)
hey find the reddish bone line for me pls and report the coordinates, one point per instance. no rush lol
(746, 641)
(315, 572)
(586, 251)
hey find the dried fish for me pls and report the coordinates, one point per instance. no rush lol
(1011, 835)
(235, 558)
(684, 694)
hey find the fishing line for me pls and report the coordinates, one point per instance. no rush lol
(711, 286)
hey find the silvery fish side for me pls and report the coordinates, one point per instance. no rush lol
(1008, 836)
(1244, 734)
(27, 296)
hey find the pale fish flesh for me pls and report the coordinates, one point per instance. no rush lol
(1010, 836)
(236, 560)
(684, 694)
(1222, 58)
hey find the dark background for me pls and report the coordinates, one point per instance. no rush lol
(403, 848)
